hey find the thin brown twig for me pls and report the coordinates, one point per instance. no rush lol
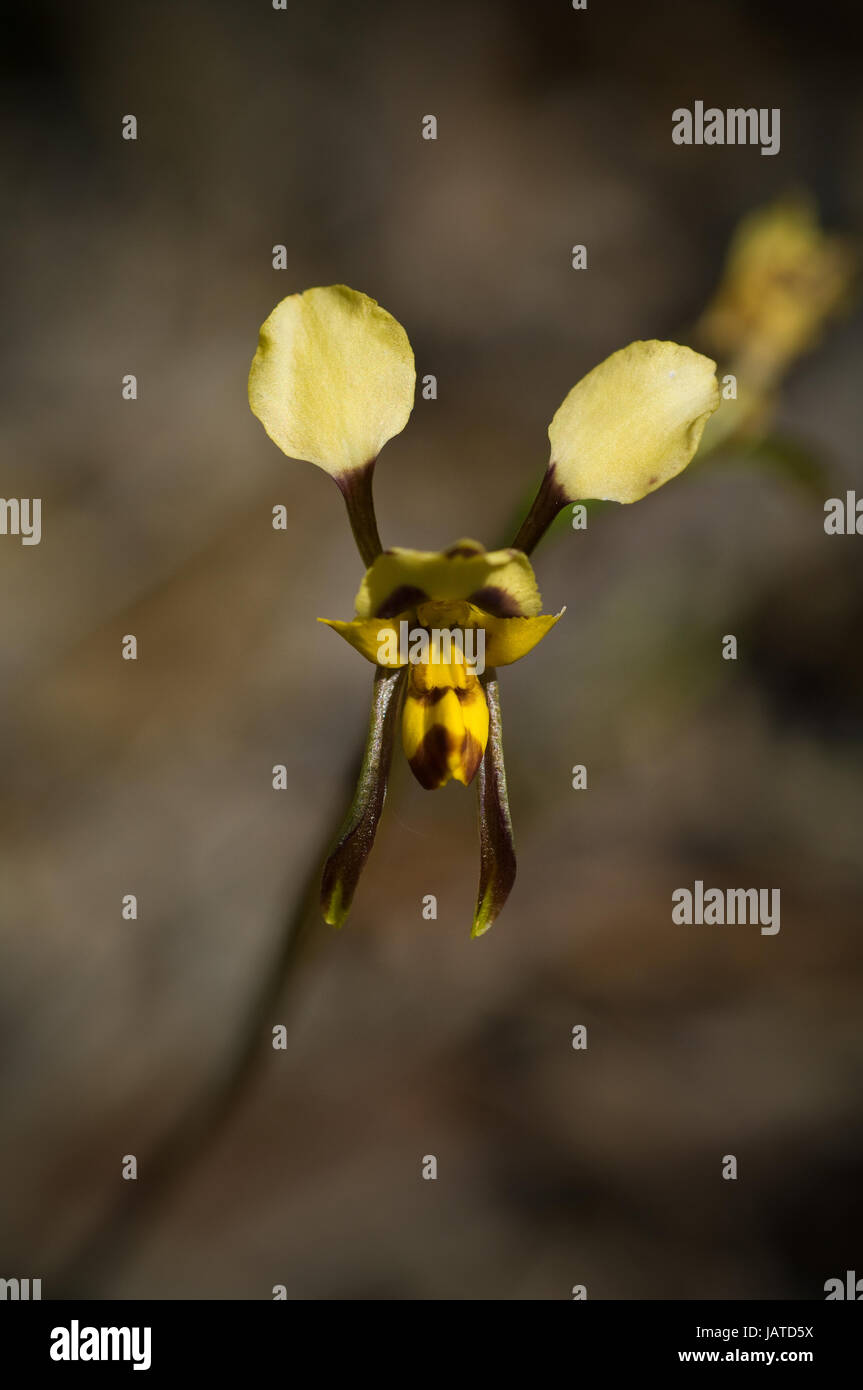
(88, 1272)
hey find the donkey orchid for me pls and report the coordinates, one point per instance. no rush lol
(332, 381)
(784, 280)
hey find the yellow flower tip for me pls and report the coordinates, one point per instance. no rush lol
(333, 378)
(335, 910)
(377, 639)
(483, 917)
(632, 423)
(509, 639)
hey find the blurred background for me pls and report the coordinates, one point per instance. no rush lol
(406, 1038)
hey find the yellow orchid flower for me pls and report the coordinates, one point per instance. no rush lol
(332, 381)
(784, 280)
(484, 613)
(451, 619)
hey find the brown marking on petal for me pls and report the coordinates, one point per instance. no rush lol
(404, 597)
(495, 600)
(429, 762)
(464, 552)
(432, 694)
(654, 479)
(471, 757)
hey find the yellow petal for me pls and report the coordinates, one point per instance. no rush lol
(506, 639)
(333, 378)
(509, 639)
(632, 423)
(374, 638)
(498, 581)
(444, 724)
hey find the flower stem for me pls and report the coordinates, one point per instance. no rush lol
(549, 500)
(356, 488)
(108, 1246)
